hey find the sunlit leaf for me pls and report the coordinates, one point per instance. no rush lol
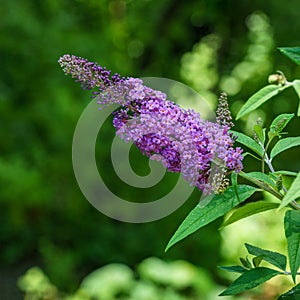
(249, 210)
(292, 294)
(293, 193)
(248, 142)
(292, 233)
(292, 53)
(286, 173)
(250, 279)
(217, 207)
(260, 97)
(280, 122)
(259, 176)
(257, 260)
(284, 144)
(296, 86)
(276, 259)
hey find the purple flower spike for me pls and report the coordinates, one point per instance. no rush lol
(161, 129)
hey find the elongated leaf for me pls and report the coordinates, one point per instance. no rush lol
(285, 144)
(287, 173)
(280, 122)
(296, 86)
(293, 193)
(249, 210)
(260, 97)
(259, 176)
(249, 280)
(276, 259)
(293, 294)
(292, 233)
(248, 142)
(292, 53)
(235, 269)
(217, 207)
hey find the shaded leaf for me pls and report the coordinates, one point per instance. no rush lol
(260, 97)
(250, 279)
(249, 210)
(292, 53)
(245, 262)
(292, 233)
(293, 193)
(248, 142)
(276, 259)
(217, 207)
(284, 144)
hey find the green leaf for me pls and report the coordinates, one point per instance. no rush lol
(235, 269)
(296, 86)
(292, 53)
(261, 133)
(292, 233)
(246, 262)
(249, 210)
(284, 144)
(217, 207)
(276, 259)
(248, 142)
(257, 260)
(286, 173)
(293, 193)
(280, 122)
(259, 176)
(293, 294)
(260, 97)
(250, 279)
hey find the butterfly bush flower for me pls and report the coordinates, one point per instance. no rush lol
(161, 129)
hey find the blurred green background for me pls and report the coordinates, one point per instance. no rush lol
(211, 45)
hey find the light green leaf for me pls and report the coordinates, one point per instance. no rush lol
(293, 294)
(296, 86)
(217, 207)
(259, 176)
(285, 144)
(261, 133)
(260, 97)
(280, 122)
(248, 142)
(257, 260)
(292, 53)
(292, 233)
(276, 259)
(286, 173)
(235, 269)
(250, 279)
(293, 193)
(249, 210)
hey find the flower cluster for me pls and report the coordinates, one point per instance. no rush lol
(161, 129)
